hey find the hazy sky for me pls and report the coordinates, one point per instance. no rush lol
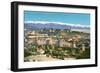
(73, 18)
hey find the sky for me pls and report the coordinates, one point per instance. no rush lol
(72, 18)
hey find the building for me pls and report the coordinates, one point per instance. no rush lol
(63, 43)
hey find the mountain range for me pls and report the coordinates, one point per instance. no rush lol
(52, 25)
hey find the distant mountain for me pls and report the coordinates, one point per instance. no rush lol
(32, 25)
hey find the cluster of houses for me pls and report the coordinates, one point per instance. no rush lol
(64, 40)
(44, 39)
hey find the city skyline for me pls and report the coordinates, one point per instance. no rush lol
(52, 36)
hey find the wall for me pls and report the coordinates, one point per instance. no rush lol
(5, 36)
